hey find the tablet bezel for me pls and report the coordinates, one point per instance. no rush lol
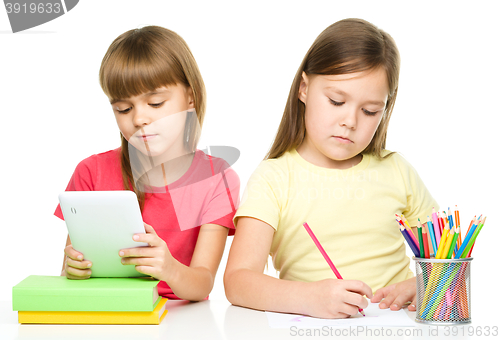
(100, 223)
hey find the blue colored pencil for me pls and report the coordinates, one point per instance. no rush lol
(430, 227)
(466, 241)
(450, 218)
(408, 239)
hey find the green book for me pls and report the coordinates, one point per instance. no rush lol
(57, 293)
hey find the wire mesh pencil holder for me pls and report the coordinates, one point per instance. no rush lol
(443, 291)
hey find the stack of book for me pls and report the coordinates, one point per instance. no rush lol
(58, 300)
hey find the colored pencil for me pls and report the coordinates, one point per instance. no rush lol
(468, 236)
(450, 218)
(480, 218)
(441, 223)
(442, 244)
(409, 230)
(425, 236)
(325, 255)
(410, 242)
(449, 240)
(453, 242)
(437, 230)
(413, 246)
(432, 236)
(470, 225)
(420, 240)
(408, 227)
(429, 240)
(457, 220)
(468, 249)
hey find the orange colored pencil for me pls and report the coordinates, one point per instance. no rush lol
(432, 251)
(457, 221)
(482, 220)
(470, 225)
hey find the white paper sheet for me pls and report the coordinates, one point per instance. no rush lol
(375, 317)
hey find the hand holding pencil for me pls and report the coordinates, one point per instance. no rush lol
(351, 287)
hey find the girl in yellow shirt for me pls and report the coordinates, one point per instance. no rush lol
(328, 166)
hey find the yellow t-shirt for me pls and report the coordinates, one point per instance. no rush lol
(350, 211)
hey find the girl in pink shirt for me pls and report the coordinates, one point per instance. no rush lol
(187, 198)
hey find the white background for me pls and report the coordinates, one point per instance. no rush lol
(54, 114)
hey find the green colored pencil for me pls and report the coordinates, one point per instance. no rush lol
(420, 240)
(472, 240)
(453, 243)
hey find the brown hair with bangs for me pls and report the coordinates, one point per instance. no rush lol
(347, 46)
(143, 60)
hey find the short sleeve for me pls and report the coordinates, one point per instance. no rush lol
(419, 200)
(224, 201)
(81, 180)
(261, 198)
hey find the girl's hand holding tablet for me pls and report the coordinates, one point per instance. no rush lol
(154, 260)
(193, 282)
(75, 267)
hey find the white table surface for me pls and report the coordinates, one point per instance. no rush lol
(214, 319)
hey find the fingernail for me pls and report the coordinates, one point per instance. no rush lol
(89, 265)
(135, 237)
(80, 257)
(382, 305)
(122, 253)
(395, 306)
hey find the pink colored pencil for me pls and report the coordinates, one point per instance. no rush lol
(437, 230)
(325, 255)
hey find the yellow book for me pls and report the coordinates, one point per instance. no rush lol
(109, 318)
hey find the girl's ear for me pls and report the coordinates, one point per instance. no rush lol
(190, 98)
(303, 87)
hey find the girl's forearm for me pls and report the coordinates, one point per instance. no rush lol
(193, 284)
(259, 291)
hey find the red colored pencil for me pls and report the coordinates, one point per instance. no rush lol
(441, 222)
(426, 241)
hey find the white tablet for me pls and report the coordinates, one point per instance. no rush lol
(100, 223)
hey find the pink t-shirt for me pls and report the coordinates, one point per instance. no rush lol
(207, 193)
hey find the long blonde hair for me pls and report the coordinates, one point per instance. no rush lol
(347, 46)
(143, 60)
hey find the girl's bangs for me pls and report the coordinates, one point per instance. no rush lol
(131, 74)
